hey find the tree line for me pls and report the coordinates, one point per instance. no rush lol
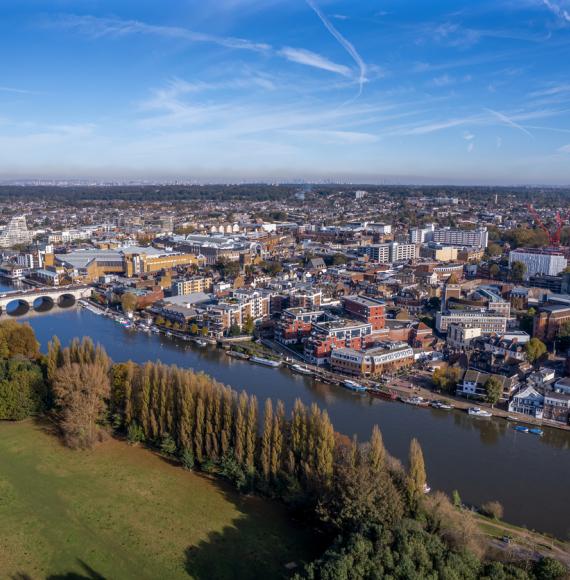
(375, 512)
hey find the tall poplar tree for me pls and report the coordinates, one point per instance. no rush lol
(266, 440)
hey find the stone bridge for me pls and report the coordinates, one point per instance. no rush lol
(41, 299)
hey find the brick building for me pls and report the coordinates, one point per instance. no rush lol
(367, 309)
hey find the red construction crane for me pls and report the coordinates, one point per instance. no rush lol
(553, 237)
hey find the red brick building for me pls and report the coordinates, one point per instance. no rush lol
(296, 324)
(367, 309)
(327, 336)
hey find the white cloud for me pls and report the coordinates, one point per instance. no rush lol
(335, 137)
(470, 147)
(15, 90)
(468, 136)
(99, 27)
(564, 149)
(442, 81)
(309, 58)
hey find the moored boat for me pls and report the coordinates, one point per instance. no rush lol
(382, 394)
(235, 354)
(536, 431)
(353, 386)
(520, 428)
(301, 369)
(416, 401)
(478, 412)
(265, 361)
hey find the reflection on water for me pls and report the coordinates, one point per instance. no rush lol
(485, 459)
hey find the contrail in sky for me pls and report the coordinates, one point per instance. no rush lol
(348, 46)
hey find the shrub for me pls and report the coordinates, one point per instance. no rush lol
(232, 470)
(187, 459)
(492, 509)
(135, 434)
(168, 445)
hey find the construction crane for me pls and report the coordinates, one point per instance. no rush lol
(553, 237)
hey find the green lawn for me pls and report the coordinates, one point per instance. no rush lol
(124, 512)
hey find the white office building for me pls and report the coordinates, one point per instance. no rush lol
(539, 261)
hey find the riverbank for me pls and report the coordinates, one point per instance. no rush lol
(485, 459)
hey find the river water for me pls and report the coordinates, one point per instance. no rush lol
(485, 459)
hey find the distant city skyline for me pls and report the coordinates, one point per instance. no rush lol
(404, 92)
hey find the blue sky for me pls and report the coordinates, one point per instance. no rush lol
(386, 90)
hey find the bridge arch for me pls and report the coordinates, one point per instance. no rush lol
(43, 304)
(66, 300)
(17, 307)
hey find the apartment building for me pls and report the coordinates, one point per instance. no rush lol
(549, 320)
(366, 309)
(327, 336)
(390, 252)
(295, 324)
(488, 321)
(374, 362)
(16, 232)
(422, 235)
(478, 238)
(183, 287)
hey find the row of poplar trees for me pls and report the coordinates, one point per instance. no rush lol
(201, 418)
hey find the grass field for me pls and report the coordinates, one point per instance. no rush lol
(124, 512)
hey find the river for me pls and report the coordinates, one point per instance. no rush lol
(485, 459)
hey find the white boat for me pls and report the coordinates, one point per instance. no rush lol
(265, 361)
(441, 405)
(478, 412)
(301, 369)
(201, 342)
(353, 386)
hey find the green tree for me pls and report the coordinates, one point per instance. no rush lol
(248, 325)
(534, 349)
(416, 480)
(266, 440)
(376, 452)
(18, 340)
(550, 569)
(493, 390)
(277, 439)
(494, 249)
(128, 302)
(456, 498)
(518, 271)
(22, 389)
(494, 270)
